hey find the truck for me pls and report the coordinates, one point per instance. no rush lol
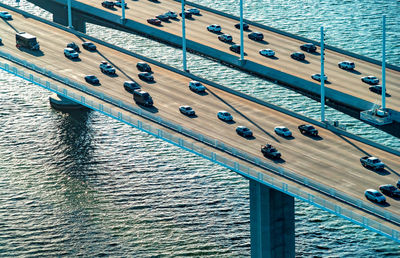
(372, 162)
(26, 40)
(270, 151)
(142, 98)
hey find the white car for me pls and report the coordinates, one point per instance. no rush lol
(224, 116)
(214, 28)
(106, 68)
(317, 77)
(375, 196)
(70, 53)
(283, 131)
(171, 14)
(346, 65)
(187, 110)
(194, 11)
(370, 80)
(267, 52)
(5, 15)
(196, 86)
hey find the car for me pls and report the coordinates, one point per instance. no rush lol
(163, 17)
(146, 76)
(143, 67)
(374, 195)
(154, 21)
(255, 35)
(267, 52)
(106, 68)
(235, 48)
(108, 4)
(270, 151)
(5, 15)
(298, 56)
(370, 80)
(224, 116)
(89, 46)
(187, 110)
(171, 14)
(74, 46)
(308, 47)
(92, 79)
(390, 190)
(143, 98)
(119, 3)
(225, 38)
(214, 28)
(317, 77)
(187, 14)
(196, 86)
(372, 162)
(70, 53)
(194, 11)
(376, 88)
(308, 129)
(398, 184)
(245, 26)
(244, 131)
(346, 65)
(130, 86)
(283, 131)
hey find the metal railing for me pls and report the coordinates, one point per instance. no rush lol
(205, 153)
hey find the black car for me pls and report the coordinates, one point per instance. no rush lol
(308, 129)
(187, 14)
(257, 36)
(390, 190)
(245, 26)
(308, 47)
(130, 86)
(376, 88)
(146, 76)
(143, 67)
(89, 46)
(235, 48)
(108, 4)
(163, 17)
(92, 79)
(74, 46)
(270, 151)
(298, 56)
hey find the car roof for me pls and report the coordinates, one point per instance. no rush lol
(372, 191)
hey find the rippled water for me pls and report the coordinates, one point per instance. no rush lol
(84, 184)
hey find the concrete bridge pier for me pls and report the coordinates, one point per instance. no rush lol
(271, 222)
(60, 103)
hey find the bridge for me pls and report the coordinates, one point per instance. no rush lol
(323, 171)
(344, 89)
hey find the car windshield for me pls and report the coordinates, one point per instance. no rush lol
(377, 194)
(391, 188)
(310, 127)
(245, 129)
(375, 161)
(285, 129)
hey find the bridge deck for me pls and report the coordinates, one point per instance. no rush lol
(331, 159)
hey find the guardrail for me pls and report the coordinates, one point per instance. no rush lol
(235, 166)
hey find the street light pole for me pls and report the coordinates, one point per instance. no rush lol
(383, 62)
(241, 31)
(183, 36)
(69, 15)
(123, 11)
(322, 77)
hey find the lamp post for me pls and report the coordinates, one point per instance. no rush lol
(322, 77)
(183, 36)
(241, 31)
(123, 11)
(383, 62)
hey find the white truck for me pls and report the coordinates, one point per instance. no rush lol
(372, 162)
(26, 40)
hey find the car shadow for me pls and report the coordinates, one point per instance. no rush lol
(148, 82)
(302, 61)
(385, 204)
(263, 42)
(94, 84)
(391, 170)
(272, 57)
(110, 8)
(36, 53)
(353, 71)
(382, 172)
(78, 59)
(315, 138)
(152, 109)
(278, 161)
(395, 198)
(249, 138)
(287, 137)
(229, 122)
(202, 93)
(112, 75)
(192, 116)
(155, 1)
(314, 53)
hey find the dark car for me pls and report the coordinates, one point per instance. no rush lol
(390, 190)
(130, 86)
(187, 14)
(308, 129)
(245, 26)
(92, 79)
(235, 48)
(376, 88)
(145, 76)
(257, 36)
(89, 46)
(308, 47)
(74, 46)
(298, 56)
(143, 67)
(270, 151)
(108, 4)
(163, 17)
(154, 21)
(225, 38)
(244, 131)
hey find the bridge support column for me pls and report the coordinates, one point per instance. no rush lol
(60, 103)
(271, 222)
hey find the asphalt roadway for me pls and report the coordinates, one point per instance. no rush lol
(329, 159)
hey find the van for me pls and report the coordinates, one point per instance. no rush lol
(24, 39)
(142, 98)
